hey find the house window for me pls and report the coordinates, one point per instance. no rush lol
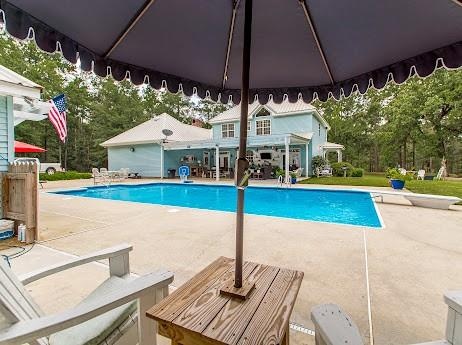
(249, 126)
(262, 112)
(319, 129)
(227, 130)
(263, 127)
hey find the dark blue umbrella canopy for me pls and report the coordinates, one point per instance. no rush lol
(299, 48)
(247, 49)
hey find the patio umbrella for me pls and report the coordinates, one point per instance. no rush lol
(20, 147)
(244, 49)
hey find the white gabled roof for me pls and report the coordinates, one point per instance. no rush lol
(151, 132)
(283, 109)
(27, 104)
(12, 77)
(328, 145)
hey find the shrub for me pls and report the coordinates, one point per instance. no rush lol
(395, 174)
(357, 172)
(318, 162)
(337, 169)
(68, 175)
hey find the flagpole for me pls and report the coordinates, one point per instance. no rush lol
(60, 159)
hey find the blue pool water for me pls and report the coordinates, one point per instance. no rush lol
(333, 206)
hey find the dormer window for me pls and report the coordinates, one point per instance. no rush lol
(227, 130)
(262, 112)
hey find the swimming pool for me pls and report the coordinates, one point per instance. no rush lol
(323, 205)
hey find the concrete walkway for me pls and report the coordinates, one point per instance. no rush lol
(411, 263)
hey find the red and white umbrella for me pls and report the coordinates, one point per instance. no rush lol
(20, 147)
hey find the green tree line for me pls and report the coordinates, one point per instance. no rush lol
(412, 125)
(98, 108)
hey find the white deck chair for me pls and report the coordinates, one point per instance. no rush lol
(299, 172)
(335, 327)
(324, 171)
(124, 173)
(421, 174)
(102, 318)
(441, 174)
(402, 171)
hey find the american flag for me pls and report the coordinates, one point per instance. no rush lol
(57, 116)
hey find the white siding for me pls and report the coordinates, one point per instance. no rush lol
(145, 159)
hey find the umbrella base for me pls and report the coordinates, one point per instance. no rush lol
(241, 293)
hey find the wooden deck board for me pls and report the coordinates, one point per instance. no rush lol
(200, 313)
(269, 322)
(169, 308)
(231, 322)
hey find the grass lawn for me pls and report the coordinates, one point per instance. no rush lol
(366, 180)
(453, 188)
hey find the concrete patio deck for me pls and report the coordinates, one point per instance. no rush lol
(411, 262)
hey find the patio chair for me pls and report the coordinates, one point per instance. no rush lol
(124, 173)
(325, 171)
(402, 171)
(106, 316)
(97, 176)
(441, 175)
(299, 172)
(105, 176)
(421, 174)
(334, 327)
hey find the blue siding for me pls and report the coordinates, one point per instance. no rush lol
(279, 125)
(291, 124)
(319, 137)
(216, 130)
(145, 160)
(6, 132)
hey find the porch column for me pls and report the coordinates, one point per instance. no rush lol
(307, 166)
(339, 155)
(217, 163)
(161, 160)
(286, 141)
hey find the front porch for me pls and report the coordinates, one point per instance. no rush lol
(216, 158)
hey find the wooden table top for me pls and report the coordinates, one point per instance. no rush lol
(196, 313)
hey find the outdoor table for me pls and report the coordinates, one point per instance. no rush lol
(196, 313)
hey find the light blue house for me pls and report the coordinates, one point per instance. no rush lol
(279, 135)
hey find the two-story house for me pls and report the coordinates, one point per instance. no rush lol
(278, 134)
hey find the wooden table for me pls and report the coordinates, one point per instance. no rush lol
(196, 313)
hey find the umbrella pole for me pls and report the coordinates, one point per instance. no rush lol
(243, 142)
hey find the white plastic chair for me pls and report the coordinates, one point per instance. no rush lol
(117, 305)
(421, 174)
